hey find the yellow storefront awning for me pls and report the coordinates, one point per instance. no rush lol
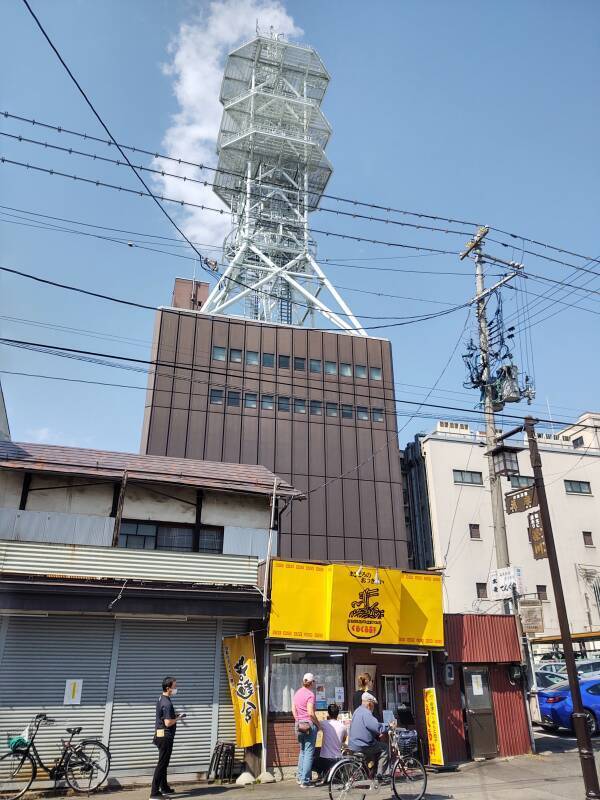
(347, 603)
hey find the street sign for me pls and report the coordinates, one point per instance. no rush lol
(502, 581)
(536, 536)
(532, 616)
(520, 500)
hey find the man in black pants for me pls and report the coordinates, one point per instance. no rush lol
(164, 736)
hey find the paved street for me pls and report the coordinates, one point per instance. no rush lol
(553, 773)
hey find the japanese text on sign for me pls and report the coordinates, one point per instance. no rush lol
(432, 721)
(502, 582)
(240, 662)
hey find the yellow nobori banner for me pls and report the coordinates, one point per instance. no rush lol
(432, 721)
(240, 663)
(343, 603)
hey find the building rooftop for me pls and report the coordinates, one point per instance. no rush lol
(56, 459)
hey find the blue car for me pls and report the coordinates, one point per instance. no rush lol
(556, 705)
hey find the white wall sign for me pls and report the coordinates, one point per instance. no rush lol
(502, 581)
(476, 683)
(73, 689)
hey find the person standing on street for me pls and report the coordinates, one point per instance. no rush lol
(164, 737)
(307, 724)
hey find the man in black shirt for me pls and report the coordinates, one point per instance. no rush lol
(164, 736)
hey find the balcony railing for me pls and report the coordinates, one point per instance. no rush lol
(56, 527)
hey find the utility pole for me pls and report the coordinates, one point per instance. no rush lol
(584, 743)
(474, 246)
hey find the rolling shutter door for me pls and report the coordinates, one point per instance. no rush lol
(148, 651)
(39, 655)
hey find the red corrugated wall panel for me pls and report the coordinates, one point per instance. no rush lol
(481, 638)
(451, 722)
(511, 717)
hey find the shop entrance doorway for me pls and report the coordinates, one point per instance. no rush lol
(398, 694)
(481, 723)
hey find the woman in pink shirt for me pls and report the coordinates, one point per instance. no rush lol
(307, 724)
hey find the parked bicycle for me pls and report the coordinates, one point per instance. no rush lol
(84, 765)
(353, 777)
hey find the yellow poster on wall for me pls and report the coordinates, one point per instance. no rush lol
(347, 603)
(240, 663)
(432, 721)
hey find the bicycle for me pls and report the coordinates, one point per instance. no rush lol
(83, 765)
(353, 777)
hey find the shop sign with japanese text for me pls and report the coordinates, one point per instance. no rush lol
(240, 663)
(536, 536)
(432, 723)
(520, 500)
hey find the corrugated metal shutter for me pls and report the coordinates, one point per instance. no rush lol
(148, 651)
(40, 654)
(226, 731)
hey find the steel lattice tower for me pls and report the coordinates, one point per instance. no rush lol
(272, 172)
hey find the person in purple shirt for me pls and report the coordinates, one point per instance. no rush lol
(365, 732)
(307, 725)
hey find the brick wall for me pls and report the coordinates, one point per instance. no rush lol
(282, 748)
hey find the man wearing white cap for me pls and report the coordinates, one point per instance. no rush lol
(365, 732)
(307, 724)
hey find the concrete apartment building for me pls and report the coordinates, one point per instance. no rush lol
(451, 518)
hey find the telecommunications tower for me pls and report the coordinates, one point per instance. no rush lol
(272, 172)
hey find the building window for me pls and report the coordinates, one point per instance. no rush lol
(542, 592)
(299, 363)
(578, 487)
(233, 399)
(288, 668)
(252, 359)
(299, 405)
(474, 531)
(481, 591)
(219, 353)
(216, 396)
(267, 402)
(316, 408)
(346, 370)
(283, 362)
(377, 415)
(331, 409)
(175, 537)
(588, 539)
(362, 412)
(314, 365)
(465, 476)
(347, 411)
(578, 441)
(283, 403)
(268, 360)
(235, 355)
(375, 373)
(521, 481)
(360, 371)
(330, 368)
(250, 400)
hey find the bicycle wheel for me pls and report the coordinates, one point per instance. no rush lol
(87, 766)
(344, 780)
(409, 779)
(17, 772)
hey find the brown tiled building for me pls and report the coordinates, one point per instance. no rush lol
(309, 405)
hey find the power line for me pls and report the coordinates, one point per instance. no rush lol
(73, 352)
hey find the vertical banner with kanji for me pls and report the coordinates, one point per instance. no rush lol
(432, 722)
(240, 663)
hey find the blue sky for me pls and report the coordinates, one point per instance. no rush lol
(480, 111)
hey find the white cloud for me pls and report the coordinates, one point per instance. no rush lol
(40, 435)
(197, 56)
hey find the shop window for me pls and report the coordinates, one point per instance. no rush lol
(362, 412)
(252, 359)
(219, 353)
(578, 487)
(330, 368)
(347, 411)
(233, 399)
(346, 370)
(267, 402)
(314, 365)
(331, 409)
(268, 359)
(377, 415)
(299, 363)
(316, 408)
(588, 539)
(283, 403)
(542, 592)
(398, 693)
(235, 355)
(134, 535)
(299, 405)
(250, 400)
(283, 362)
(216, 396)
(287, 669)
(375, 373)
(360, 371)
(481, 590)
(521, 481)
(466, 476)
(474, 531)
